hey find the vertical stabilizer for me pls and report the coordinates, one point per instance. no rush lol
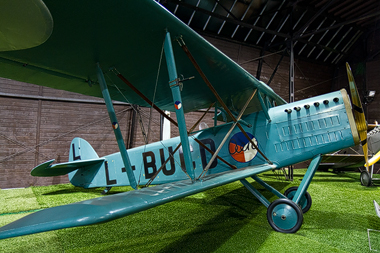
(80, 149)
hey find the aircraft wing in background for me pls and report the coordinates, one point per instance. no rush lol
(126, 37)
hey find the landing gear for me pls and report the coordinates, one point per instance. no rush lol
(365, 178)
(284, 216)
(305, 202)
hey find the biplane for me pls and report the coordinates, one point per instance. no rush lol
(137, 52)
(353, 158)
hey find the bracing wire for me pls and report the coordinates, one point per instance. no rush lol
(155, 122)
(155, 88)
(261, 57)
(58, 136)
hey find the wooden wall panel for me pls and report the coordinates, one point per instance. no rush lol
(17, 139)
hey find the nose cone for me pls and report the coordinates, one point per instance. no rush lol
(24, 24)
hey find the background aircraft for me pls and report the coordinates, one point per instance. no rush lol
(98, 50)
(353, 157)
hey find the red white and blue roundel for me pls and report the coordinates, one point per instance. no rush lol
(177, 105)
(115, 125)
(241, 149)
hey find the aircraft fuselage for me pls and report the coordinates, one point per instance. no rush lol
(293, 133)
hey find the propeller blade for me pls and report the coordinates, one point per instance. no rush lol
(360, 121)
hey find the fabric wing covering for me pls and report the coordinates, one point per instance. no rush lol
(111, 207)
(128, 36)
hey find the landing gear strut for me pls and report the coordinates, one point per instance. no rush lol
(285, 214)
(305, 202)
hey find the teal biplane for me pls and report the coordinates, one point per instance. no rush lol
(138, 52)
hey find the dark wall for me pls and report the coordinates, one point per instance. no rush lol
(38, 123)
(365, 65)
(373, 73)
(310, 79)
(35, 130)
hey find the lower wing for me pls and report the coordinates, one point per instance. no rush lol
(112, 207)
(342, 160)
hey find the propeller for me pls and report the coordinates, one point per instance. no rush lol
(360, 121)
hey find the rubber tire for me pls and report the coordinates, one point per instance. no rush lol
(305, 201)
(365, 178)
(296, 210)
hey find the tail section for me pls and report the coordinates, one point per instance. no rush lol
(82, 156)
(80, 149)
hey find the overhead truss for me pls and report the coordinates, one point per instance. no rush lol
(323, 31)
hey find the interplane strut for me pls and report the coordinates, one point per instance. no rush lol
(211, 87)
(116, 128)
(176, 149)
(167, 117)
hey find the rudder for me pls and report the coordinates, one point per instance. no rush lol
(80, 149)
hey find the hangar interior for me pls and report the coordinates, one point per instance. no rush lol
(299, 48)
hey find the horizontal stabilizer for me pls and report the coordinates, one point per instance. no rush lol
(48, 170)
(112, 207)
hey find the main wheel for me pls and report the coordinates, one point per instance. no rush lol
(305, 201)
(284, 216)
(365, 178)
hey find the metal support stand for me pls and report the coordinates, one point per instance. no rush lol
(369, 238)
(176, 93)
(116, 128)
(307, 178)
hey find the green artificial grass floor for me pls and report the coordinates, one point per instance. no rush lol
(224, 219)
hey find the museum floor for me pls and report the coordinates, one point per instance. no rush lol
(224, 219)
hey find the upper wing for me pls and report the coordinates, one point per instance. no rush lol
(129, 36)
(23, 24)
(119, 205)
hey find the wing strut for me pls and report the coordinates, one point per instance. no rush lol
(118, 74)
(116, 128)
(264, 106)
(179, 145)
(130, 85)
(176, 93)
(208, 83)
(227, 136)
(176, 149)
